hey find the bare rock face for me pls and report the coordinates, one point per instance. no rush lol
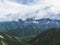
(48, 37)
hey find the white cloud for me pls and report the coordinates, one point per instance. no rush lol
(10, 10)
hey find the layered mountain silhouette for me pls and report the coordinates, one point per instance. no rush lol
(28, 27)
(48, 37)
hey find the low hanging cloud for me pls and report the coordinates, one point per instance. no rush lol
(13, 9)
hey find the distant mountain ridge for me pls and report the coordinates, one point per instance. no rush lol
(28, 27)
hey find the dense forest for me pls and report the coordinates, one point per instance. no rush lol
(48, 37)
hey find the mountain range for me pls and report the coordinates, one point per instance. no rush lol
(28, 27)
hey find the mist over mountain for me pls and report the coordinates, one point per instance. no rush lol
(22, 20)
(22, 9)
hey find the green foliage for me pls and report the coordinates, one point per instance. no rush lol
(48, 37)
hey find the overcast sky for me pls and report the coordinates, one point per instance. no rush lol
(23, 9)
